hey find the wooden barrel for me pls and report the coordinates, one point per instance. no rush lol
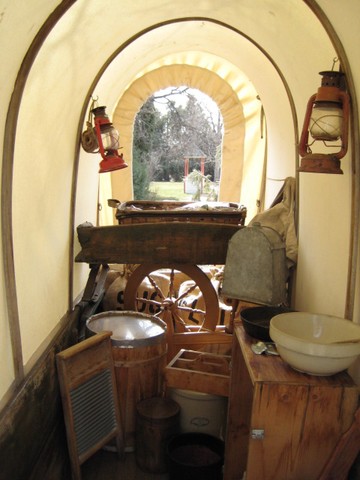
(139, 351)
(158, 419)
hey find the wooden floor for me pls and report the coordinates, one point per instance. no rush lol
(105, 465)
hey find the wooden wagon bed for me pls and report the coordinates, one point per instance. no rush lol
(163, 232)
(143, 211)
(173, 242)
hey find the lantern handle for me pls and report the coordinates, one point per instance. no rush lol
(94, 101)
(346, 113)
(335, 61)
(305, 131)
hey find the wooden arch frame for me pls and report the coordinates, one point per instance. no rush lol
(195, 77)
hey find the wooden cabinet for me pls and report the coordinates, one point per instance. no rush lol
(282, 424)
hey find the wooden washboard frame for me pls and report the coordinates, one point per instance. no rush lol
(89, 397)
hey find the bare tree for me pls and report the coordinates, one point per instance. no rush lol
(162, 140)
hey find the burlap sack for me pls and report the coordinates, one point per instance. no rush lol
(281, 218)
(193, 300)
(114, 294)
(115, 284)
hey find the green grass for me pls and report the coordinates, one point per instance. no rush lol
(169, 191)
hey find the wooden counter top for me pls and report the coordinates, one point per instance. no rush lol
(267, 368)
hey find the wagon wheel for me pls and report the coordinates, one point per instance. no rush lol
(169, 303)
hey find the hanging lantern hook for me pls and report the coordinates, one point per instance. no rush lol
(335, 61)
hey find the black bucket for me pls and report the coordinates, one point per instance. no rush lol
(195, 456)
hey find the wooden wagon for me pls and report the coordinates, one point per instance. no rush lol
(177, 236)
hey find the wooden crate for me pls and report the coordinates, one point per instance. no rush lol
(200, 372)
(143, 211)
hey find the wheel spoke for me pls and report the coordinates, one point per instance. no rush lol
(178, 321)
(192, 310)
(149, 301)
(171, 291)
(157, 288)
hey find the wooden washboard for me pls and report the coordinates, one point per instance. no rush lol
(89, 398)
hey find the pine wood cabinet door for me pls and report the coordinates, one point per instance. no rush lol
(282, 424)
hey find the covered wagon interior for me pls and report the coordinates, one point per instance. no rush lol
(172, 281)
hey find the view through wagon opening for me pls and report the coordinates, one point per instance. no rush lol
(177, 146)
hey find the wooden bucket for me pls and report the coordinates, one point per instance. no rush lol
(139, 351)
(158, 419)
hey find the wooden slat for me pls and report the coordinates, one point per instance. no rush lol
(199, 372)
(194, 243)
(239, 413)
(342, 458)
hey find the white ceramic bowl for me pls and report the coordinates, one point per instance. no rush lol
(315, 344)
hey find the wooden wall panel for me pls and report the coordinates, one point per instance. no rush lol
(32, 435)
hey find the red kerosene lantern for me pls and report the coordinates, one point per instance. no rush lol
(327, 121)
(103, 138)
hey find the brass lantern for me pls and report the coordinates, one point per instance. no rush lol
(327, 121)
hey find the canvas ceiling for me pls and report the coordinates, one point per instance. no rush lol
(236, 52)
